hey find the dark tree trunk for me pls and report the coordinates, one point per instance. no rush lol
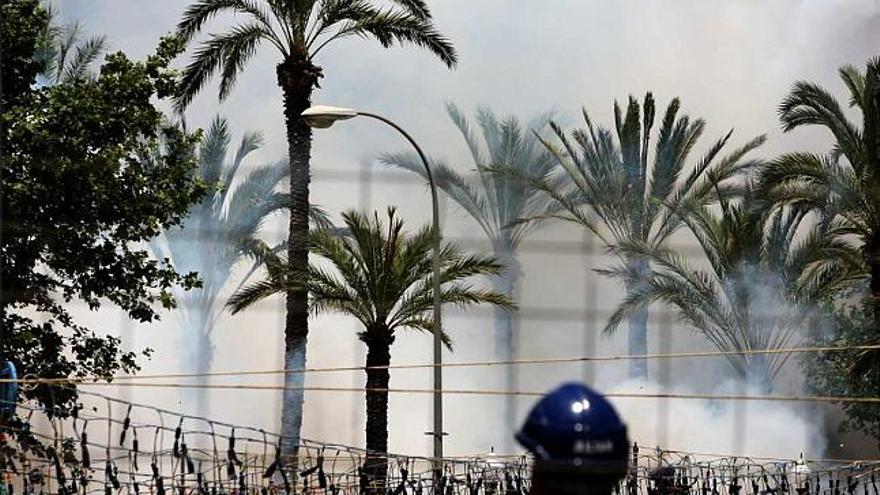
(296, 78)
(378, 342)
(873, 259)
(873, 253)
(638, 326)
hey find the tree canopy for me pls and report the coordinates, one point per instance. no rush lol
(91, 171)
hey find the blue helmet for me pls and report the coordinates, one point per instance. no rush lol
(576, 425)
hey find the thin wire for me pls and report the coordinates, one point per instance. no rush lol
(619, 395)
(515, 362)
(651, 455)
(238, 428)
(720, 465)
(760, 458)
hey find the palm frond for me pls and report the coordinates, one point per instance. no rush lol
(712, 180)
(389, 27)
(212, 152)
(228, 53)
(61, 52)
(379, 274)
(463, 126)
(333, 12)
(516, 147)
(459, 188)
(250, 141)
(855, 82)
(69, 37)
(86, 53)
(421, 302)
(667, 166)
(328, 292)
(319, 219)
(347, 262)
(810, 104)
(264, 255)
(253, 293)
(416, 8)
(202, 11)
(46, 49)
(426, 324)
(239, 46)
(798, 166)
(866, 361)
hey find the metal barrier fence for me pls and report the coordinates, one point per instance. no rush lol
(97, 451)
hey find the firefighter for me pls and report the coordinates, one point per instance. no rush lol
(579, 443)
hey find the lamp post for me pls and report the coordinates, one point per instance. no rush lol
(322, 117)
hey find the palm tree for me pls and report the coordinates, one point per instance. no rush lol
(496, 204)
(299, 30)
(760, 285)
(617, 193)
(842, 186)
(211, 239)
(381, 276)
(62, 52)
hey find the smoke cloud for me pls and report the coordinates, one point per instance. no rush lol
(730, 62)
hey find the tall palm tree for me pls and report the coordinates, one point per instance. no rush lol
(760, 285)
(496, 204)
(380, 275)
(616, 192)
(299, 30)
(211, 239)
(64, 53)
(842, 186)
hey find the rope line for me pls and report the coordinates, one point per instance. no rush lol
(472, 364)
(619, 395)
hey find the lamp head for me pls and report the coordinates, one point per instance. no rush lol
(323, 116)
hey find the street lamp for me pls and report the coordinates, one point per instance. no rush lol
(322, 117)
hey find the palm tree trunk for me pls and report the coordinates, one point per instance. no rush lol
(758, 373)
(638, 327)
(198, 353)
(378, 358)
(296, 78)
(505, 342)
(204, 356)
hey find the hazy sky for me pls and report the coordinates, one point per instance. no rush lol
(731, 62)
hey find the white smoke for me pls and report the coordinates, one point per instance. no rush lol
(730, 63)
(733, 428)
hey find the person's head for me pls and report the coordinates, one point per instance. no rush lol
(579, 443)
